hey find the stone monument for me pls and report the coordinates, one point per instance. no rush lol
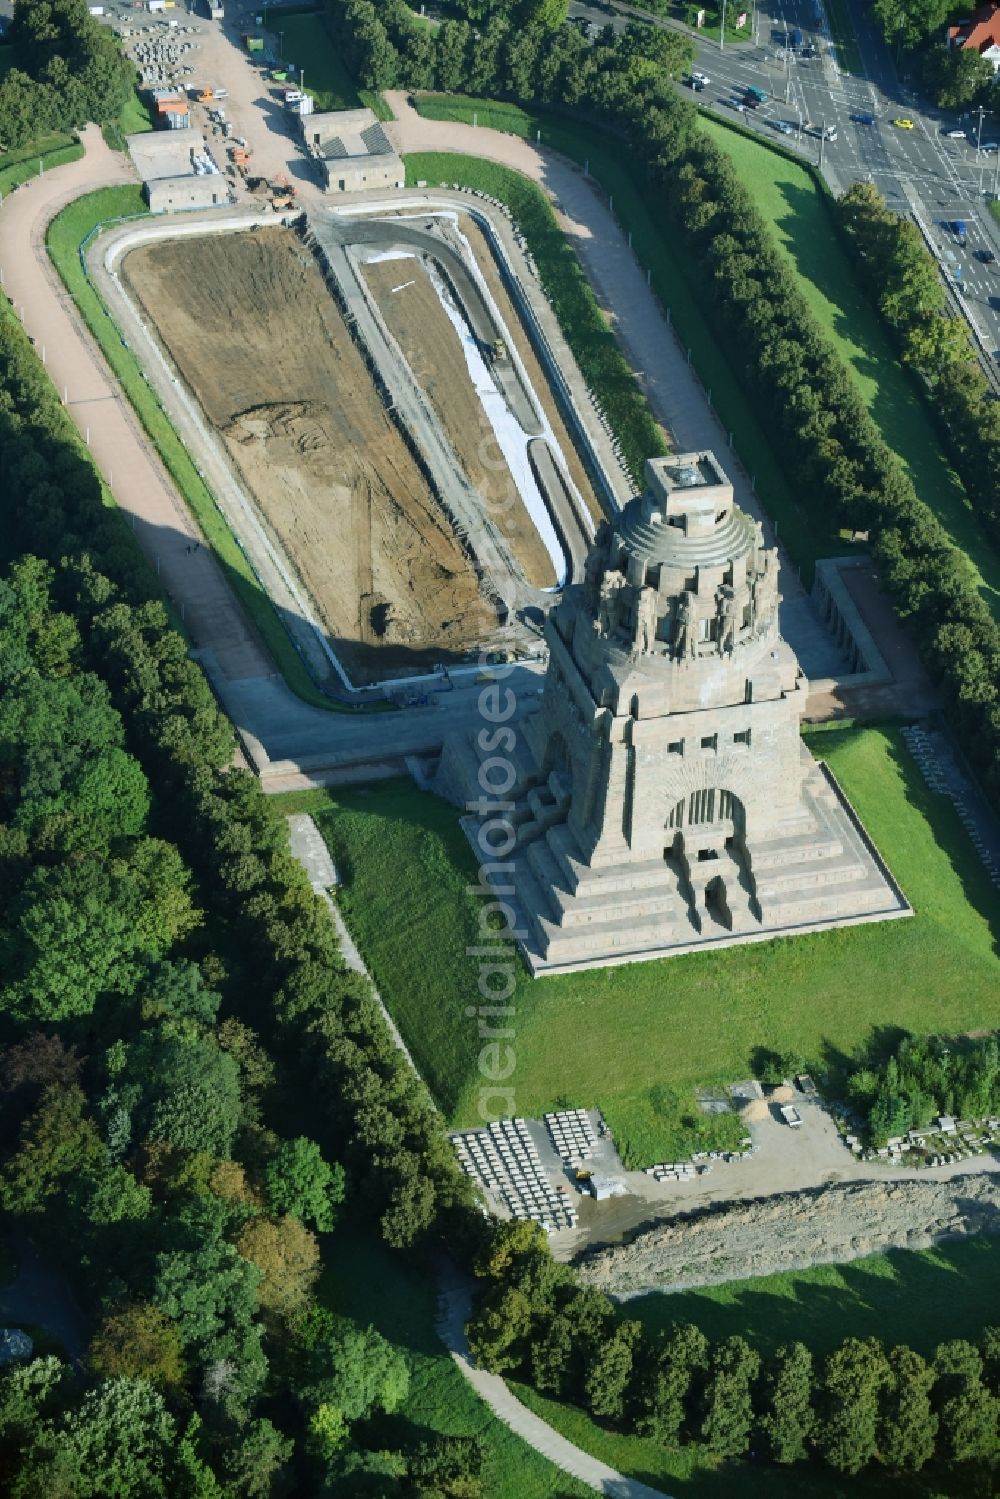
(664, 799)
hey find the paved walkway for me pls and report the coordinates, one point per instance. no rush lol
(141, 486)
(454, 1310)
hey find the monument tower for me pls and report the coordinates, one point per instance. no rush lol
(665, 799)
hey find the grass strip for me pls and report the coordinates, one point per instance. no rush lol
(30, 161)
(636, 1040)
(842, 31)
(601, 361)
(66, 234)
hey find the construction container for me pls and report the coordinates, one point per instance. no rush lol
(252, 43)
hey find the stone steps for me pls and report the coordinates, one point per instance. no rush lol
(567, 944)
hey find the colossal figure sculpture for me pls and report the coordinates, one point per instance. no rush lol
(664, 798)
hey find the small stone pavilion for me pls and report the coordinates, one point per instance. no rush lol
(664, 799)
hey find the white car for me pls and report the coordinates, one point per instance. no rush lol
(701, 78)
(955, 135)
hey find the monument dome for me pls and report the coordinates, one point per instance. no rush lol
(664, 797)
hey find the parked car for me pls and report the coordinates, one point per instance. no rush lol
(903, 122)
(863, 119)
(987, 257)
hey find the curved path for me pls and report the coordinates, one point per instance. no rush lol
(104, 416)
(454, 1309)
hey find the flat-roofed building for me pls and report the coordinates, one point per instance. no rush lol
(353, 150)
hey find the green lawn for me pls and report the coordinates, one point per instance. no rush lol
(787, 195)
(901, 1297)
(66, 233)
(44, 153)
(637, 1039)
(362, 1279)
(904, 1296)
(306, 42)
(594, 347)
(134, 120)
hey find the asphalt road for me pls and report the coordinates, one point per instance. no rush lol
(919, 170)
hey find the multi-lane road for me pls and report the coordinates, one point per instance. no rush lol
(921, 171)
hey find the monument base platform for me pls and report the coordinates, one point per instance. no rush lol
(814, 873)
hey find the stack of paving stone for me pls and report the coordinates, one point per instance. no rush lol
(504, 1161)
(672, 1171)
(572, 1134)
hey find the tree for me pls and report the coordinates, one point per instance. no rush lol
(610, 1373)
(287, 1256)
(255, 1458)
(57, 1142)
(955, 77)
(907, 22)
(907, 1425)
(139, 1341)
(672, 1368)
(194, 1101)
(122, 1437)
(210, 1291)
(352, 1369)
(788, 1416)
(300, 1182)
(81, 928)
(727, 1412)
(853, 1377)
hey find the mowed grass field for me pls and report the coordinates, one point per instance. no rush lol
(919, 1298)
(787, 195)
(397, 1296)
(637, 1039)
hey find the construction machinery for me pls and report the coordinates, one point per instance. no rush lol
(282, 194)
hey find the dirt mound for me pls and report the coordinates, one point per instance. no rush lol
(755, 1111)
(782, 1095)
(248, 320)
(791, 1231)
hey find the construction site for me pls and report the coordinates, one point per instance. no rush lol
(386, 414)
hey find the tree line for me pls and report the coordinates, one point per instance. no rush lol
(803, 396)
(862, 1404)
(902, 278)
(954, 78)
(165, 970)
(925, 1077)
(68, 70)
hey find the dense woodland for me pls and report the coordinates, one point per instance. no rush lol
(805, 399)
(69, 70)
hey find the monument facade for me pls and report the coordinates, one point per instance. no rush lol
(664, 797)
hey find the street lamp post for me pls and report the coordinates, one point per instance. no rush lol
(822, 142)
(979, 129)
(722, 29)
(996, 178)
